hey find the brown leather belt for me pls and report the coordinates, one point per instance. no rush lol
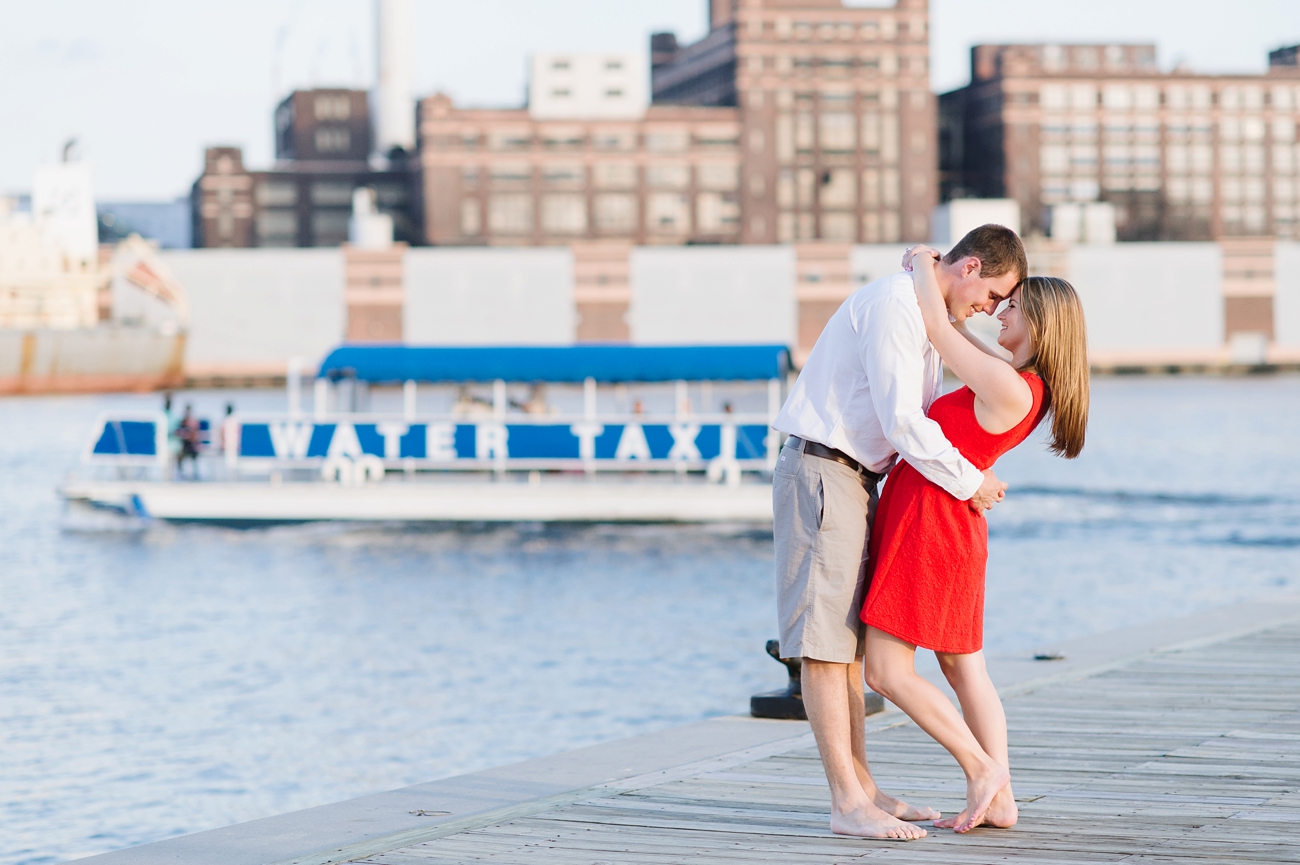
(817, 449)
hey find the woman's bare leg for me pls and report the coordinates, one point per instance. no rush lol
(858, 729)
(891, 672)
(982, 710)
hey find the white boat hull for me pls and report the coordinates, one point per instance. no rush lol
(450, 501)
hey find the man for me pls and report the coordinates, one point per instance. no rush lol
(858, 404)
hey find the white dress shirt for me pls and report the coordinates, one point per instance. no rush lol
(868, 384)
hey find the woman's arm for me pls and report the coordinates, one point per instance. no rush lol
(1004, 394)
(974, 340)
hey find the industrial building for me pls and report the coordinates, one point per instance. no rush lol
(1181, 155)
(791, 120)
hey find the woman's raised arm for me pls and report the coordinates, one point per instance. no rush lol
(1005, 395)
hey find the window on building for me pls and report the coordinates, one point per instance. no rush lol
(804, 138)
(1283, 161)
(277, 194)
(508, 175)
(1252, 159)
(839, 226)
(668, 213)
(806, 187)
(560, 93)
(1230, 158)
(613, 140)
(331, 193)
(469, 178)
(667, 141)
(510, 140)
(889, 139)
(890, 227)
(785, 138)
(1283, 129)
(669, 176)
(1083, 97)
(333, 139)
(565, 176)
(614, 93)
(615, 214)
(564, 214)
(871, 188)
(332, 106)
(785, 189)
(1053, 159)
(721, 176)
(716, 213)
(614, 175)
(837, 132)
(510, 213)
(277, 228)
(471, 217)
(889, 187)
(563, 139)
(329, 227)
(838, 188)
(560, 64)
(1117, 97)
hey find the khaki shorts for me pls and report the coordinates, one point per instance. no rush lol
(823, 512)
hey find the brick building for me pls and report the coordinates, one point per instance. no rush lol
(791, 120)
(1182, 156)
(322, 149)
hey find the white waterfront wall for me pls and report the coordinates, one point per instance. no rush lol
(1154, 298)
(517, 296)
(713, 295)
(1286, 302)
(254, 309)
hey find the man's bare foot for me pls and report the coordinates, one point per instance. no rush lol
(1002, 814)
(900, 809)
(871, 822)
(980, 792)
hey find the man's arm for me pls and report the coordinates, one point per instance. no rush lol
(891, 348)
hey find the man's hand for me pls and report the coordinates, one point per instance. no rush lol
(989, 494)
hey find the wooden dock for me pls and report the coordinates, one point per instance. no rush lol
(1189, 756)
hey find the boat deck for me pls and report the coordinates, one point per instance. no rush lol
(1191, 756)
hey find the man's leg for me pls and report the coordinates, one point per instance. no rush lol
(827, 702)
(981, 708)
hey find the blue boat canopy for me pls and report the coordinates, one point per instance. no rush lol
(604, 363)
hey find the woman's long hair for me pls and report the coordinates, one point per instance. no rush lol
(1054, 314)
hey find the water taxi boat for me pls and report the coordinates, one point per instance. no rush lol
(597, 433)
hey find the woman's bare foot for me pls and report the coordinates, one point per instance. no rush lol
(871, 822)
(900, 809)
(981, 790)
(1002, 814)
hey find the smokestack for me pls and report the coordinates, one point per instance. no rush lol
(392, 103)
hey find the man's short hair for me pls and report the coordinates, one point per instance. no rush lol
(997, 247)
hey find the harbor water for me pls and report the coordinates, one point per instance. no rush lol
(159, 680)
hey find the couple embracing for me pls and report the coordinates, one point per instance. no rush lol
(863, 579)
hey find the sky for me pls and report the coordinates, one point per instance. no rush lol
(145, 85)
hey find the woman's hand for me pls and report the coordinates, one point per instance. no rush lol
(919, 251)
(922, 261)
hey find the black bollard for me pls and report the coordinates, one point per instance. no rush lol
(787, 705)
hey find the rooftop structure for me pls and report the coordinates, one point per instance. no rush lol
(588, 87)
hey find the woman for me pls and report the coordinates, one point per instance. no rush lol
(929, 549)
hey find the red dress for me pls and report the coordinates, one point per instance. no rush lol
(928, 549)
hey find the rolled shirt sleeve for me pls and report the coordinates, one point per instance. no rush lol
(892, 346)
